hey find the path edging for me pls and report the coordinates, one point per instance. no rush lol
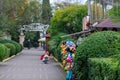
(10, 57)
(59, 62)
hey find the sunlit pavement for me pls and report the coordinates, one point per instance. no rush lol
(28, 66)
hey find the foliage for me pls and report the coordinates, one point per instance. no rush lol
(15, 13)
(29, 12)
(103, 69)
(96, 12)
(1, 38)
(100, 44)
(62, 5)
(68, 20)
(46, 12)
(11, 47)
(54, 45)
(54, 42)
(33, 36)
(17, 45)
(114, 14)
(57, 53)
(4, 52)
(8, 10)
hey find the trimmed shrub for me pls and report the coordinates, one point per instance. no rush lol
(99, 44)
(4, 52)
(21, 47)
(17, 45)
(103, 69)
(55, 49)
(11, 47)
(54, 43)
(58, 54)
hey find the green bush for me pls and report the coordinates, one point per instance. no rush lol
(17, 45)
(1, 38)
(4, 52)
(54, 43)
(11, 47)
(54, 48)
(99, 44)
(21, 47)
(103, 69)
(58, 54)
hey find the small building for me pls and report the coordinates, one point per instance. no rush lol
(105, 13)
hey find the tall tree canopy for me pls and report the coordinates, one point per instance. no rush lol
(68, 20)
(114, 14)
(14, 13)
(30, 12)
(46, 12)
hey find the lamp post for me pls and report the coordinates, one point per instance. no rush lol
(89, 9)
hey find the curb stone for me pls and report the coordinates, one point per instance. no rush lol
(8, 58)
(59, 62)
(11, 57)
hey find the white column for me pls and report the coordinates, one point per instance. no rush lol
(21, 38)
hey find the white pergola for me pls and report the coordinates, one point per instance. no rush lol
(35, 27)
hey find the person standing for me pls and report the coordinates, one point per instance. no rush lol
(28, 43)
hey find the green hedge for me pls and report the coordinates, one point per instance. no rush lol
(4, 52)
(11, 47)
(21, 47)
(17, 45)
(55, 43)
(103, 69)
(54, 47)
(99, 44)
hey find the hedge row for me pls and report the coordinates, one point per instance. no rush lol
(100, 44)
(54, 46)
(103, 69)
(17, 45)
(9, 47)
(4, 52)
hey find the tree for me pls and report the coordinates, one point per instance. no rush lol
(114, 11)
(62, 5)
(14, 13)
(68, 20)
(114, 15)
(30, 13)
(8, 9)
(46, 12)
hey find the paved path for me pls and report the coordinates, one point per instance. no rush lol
(27, 66)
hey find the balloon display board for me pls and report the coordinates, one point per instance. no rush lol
(68, 49)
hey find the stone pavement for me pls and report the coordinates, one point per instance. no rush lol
(28, 66)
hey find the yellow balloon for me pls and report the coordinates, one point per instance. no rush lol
(73, 55)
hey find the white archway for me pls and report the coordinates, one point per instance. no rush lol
(34, 27)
